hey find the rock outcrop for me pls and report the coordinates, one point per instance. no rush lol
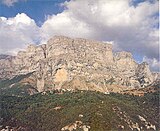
(6, 66)
(87, 64)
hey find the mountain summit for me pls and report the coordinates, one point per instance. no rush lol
(66, 63)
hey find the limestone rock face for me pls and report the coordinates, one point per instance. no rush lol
(61, 75)
(6, 66)
(124, 61)
(144, 75)
(63, 62)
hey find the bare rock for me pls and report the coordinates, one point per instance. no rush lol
(78, 64)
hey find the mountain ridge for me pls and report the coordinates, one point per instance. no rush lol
(62, 59)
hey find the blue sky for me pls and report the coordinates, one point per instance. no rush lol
(35, 9)
(132, 25)
(38, 9)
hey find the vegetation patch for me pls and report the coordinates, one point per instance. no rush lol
(52, 111)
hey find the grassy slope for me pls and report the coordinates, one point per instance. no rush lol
(37, 112)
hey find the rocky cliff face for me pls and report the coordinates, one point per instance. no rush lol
(6, 66)
(86, 64)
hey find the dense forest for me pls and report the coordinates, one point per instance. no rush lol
(51, 111)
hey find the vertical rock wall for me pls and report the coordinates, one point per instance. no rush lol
(62, 59)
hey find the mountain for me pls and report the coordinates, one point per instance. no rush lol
(77, 84)
(82, 64)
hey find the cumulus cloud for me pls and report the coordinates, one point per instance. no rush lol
(64, 24)
(10, 2)
(16, 33)
(154, 63)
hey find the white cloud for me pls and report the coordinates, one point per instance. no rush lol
(16, 33)
(64, 24)
(10, 2)
(154, 63)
